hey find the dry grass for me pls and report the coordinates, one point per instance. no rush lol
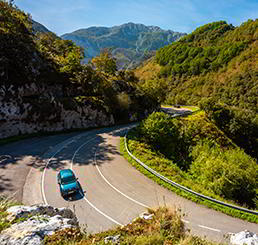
(165, 228)
(5, 203)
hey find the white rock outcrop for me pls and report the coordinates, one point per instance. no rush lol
(112, 239)
(36, 223)
(146, 216)
(244, 238)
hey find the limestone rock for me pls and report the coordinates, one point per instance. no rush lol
(32, 108)
(113, 239)
(244, 238)
(38, 222)
(146, 216)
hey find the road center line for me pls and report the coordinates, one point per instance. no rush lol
(45, 168)
(105, 215)
(133, 200)
(209, 228)
(75, 138)
(185, 221)
(77, 150)
(99, 211)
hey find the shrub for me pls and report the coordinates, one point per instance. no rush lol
(231, 174)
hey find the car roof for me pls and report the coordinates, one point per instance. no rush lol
(66, 173)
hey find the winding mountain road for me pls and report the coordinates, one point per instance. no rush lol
(112, 191)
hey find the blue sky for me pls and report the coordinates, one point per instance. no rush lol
(63, 16)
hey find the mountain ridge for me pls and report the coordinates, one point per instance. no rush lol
(38, 27)
(129, 43)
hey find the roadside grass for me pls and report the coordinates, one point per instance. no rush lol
(165, 227)
(5, 203)
(150, 158)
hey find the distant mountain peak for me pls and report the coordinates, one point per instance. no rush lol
(130, 42)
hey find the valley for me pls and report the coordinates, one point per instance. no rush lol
(66, 103)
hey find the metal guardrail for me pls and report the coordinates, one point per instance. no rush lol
(185, 188)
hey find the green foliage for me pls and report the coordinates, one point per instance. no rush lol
(143, 152)
(216, 62)
(3, 223)
(105, 63)
(154, 88)
(45, 59)
(231, 174)
(162, 133)
(5, 203)
(28, 58)
(174, 138)
(200, 52)
(15, 40)
(239, 124)
(208, 33)
(209, 162)
(155, 239)
(63, 53)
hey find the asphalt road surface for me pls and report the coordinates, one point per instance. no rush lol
(112, 191)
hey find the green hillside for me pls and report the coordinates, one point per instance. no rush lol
(216, 63)
(207, 49)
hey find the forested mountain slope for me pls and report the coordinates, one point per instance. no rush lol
(215, 66)
(130, 43)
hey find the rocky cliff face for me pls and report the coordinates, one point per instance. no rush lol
(130, 43)
(32, 108)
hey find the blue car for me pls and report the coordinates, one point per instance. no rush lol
(67, 182)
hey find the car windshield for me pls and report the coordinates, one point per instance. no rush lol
(68, 179)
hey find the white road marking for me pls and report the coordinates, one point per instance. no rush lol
(71, 167)
(99, 211)
(209, 228)
(139, 203)
(105, 215)
(44, 172)
(185, 221)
